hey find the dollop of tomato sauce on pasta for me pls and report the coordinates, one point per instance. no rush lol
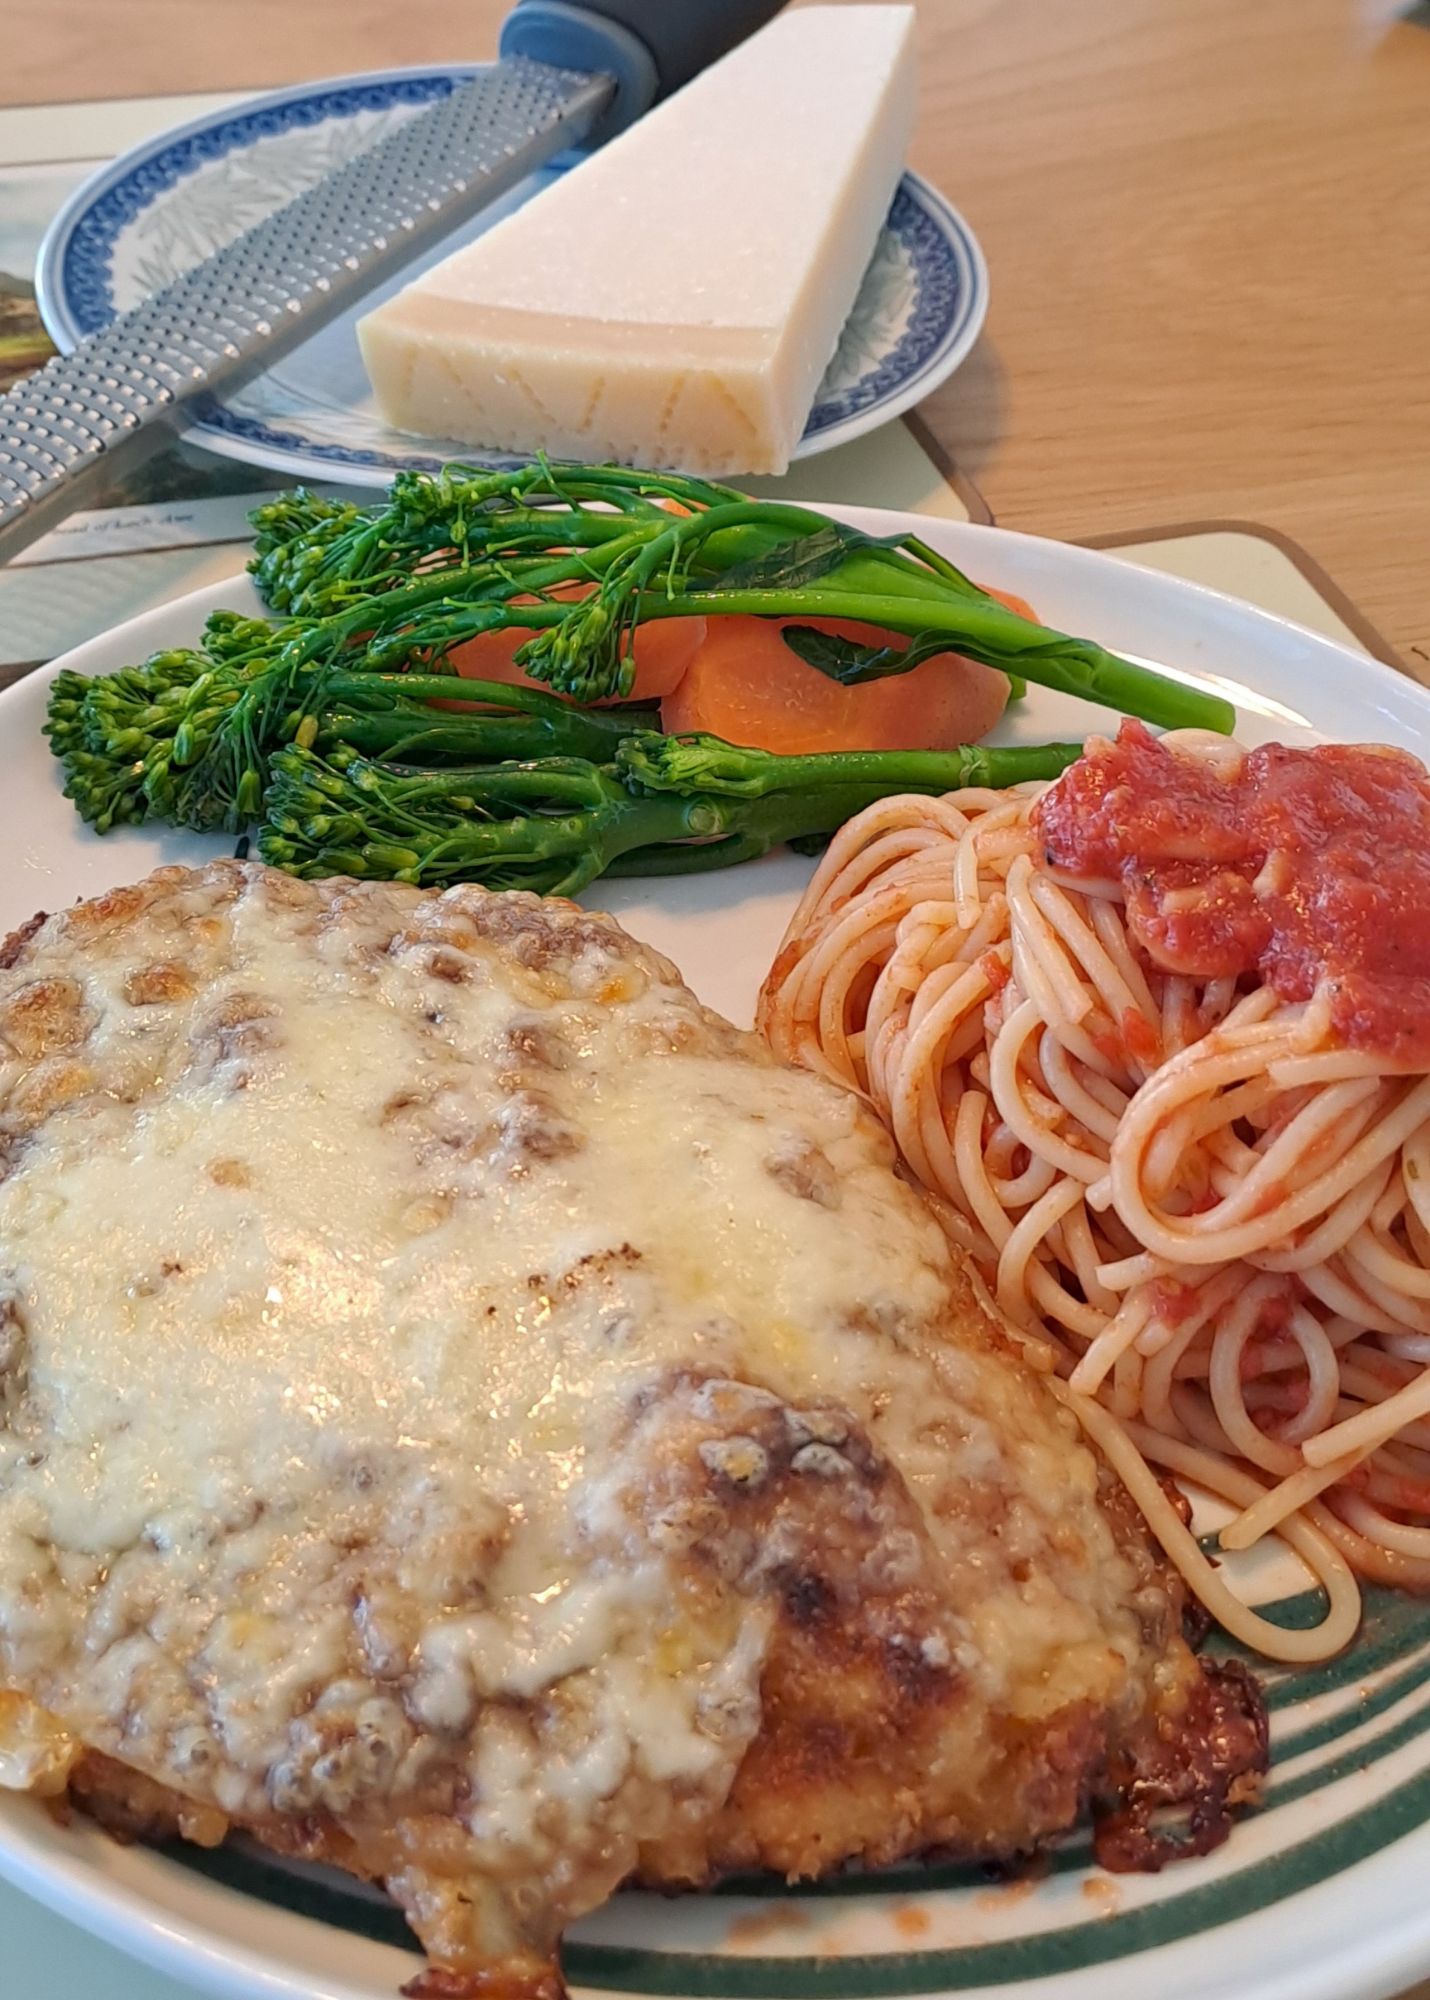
(1307, 868)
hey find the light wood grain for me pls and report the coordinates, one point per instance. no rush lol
(1207, 223)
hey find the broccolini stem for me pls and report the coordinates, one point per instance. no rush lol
(392, 715)
(699, 763)
(759, 825)
(981, 629)
(553, 826)
(356, 818)
(413, 693)
(464, 739)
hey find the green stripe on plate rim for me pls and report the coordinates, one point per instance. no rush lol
(1105, 1938)
(1394, 1625)
(635, 1969)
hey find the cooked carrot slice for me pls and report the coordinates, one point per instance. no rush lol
(1014, 603)
(664, 648)
(745, 684)
(945, 702)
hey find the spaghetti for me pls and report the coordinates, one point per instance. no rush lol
(1213, 1198)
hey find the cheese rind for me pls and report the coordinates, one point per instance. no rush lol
(675, 300)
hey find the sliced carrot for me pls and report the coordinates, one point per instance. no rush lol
(664, 649)
(745, 684)
(945, 702)
(1018, 604)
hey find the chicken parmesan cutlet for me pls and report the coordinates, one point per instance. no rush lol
(471, 1416)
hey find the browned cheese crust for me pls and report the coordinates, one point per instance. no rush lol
(469, 1415)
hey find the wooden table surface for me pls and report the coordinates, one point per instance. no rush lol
(1207, 221)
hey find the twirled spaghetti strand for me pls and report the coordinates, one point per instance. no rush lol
(1218, 1213)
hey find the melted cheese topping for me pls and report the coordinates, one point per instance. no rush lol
(352, 1246)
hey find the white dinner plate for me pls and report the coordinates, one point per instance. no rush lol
(163, 206)
(1319, 1896)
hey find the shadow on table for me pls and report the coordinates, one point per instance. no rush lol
(967, 412)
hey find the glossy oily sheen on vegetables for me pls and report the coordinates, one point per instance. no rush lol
(329, 729)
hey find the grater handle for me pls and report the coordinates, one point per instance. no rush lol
(650, 47)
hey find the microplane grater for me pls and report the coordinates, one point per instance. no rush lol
(240, 309)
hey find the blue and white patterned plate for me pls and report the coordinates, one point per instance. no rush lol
(161, 208)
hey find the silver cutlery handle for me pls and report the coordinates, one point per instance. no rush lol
(234, 314)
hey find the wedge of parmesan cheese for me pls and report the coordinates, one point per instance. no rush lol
(675, 299)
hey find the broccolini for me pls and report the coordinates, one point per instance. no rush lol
(331, 726)
(557, 823)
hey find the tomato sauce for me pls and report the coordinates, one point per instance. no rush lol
(1172, 1301)
(1308, 869)
(994, 971)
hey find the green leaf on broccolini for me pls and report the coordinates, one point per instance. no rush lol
(490, 539)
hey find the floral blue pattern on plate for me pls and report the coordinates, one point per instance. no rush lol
(165, 205)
